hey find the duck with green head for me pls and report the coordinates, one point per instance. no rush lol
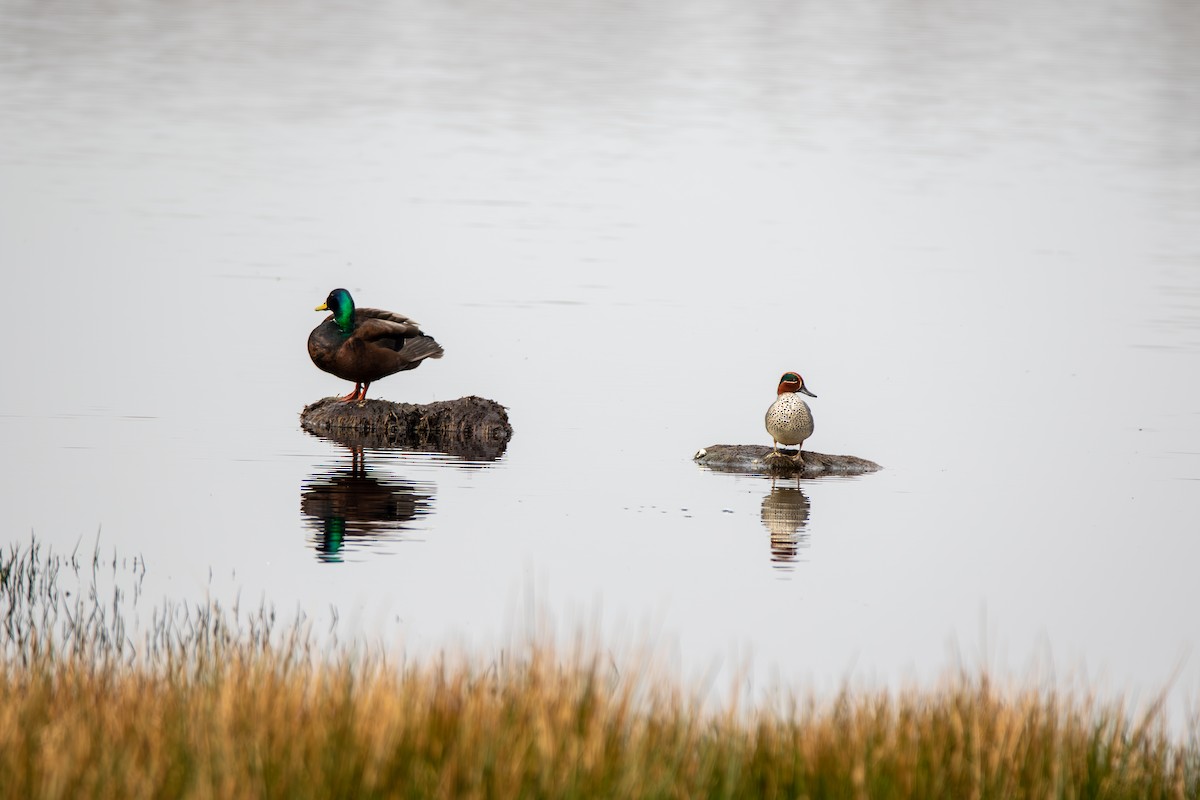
(789, 420)
(366, 344)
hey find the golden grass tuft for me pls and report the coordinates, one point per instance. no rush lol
(208, 706)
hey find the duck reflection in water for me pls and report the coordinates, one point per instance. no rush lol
(352, 508)
(785, 516)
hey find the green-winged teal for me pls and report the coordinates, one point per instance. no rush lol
(789, 420)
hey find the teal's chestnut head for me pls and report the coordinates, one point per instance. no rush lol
(792, 382)
(341, 305)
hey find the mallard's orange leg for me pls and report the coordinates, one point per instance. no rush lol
(362, 396)
(353, 395)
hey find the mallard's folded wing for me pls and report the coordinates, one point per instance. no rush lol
(374, 328)
(383, 329)
(378, 313)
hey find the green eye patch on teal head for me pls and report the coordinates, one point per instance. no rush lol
(792, 382)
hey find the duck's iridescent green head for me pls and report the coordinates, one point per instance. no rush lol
(792, 382)
(341, 304)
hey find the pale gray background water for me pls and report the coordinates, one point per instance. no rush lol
(973, 227)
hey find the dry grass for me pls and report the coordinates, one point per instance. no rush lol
(210, 706)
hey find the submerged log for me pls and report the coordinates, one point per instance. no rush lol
(472, 427)
(753, 458)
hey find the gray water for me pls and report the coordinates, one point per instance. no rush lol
(973, 228)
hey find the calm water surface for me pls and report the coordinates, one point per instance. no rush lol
(975, 229)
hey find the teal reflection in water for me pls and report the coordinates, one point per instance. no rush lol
(785, 516)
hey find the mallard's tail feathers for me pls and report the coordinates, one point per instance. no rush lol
(418, 348)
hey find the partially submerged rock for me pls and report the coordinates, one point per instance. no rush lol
(472, 427)
(752, 458)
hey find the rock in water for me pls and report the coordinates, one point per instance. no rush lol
(469, 427)
(752, 458)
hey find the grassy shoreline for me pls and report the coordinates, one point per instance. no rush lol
(216, 705)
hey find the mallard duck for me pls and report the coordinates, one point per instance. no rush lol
(366, 344)
(789, 420)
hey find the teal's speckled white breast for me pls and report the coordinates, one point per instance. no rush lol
(789, 420)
